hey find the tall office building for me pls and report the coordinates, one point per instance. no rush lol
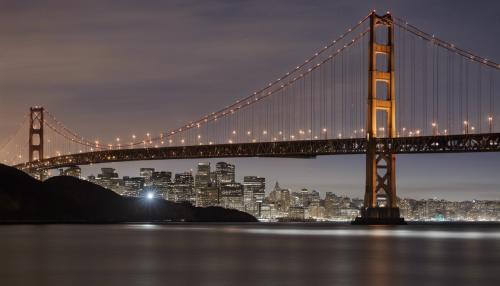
(225, 173)
(207, 196)
(109, 179)
(161, 182)
(231, 196)
(281, 199)
(182, 188)
(132, 186)
(147, 174)
(254, 190)
(73, 171)
(202, 178)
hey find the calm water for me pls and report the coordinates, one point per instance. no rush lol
(222, 254)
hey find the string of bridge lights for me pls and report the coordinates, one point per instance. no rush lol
(255, 99)
(444, 44)
(73, 135)
(18, 129)
(227, 111)
(467, 126)
(298, 73)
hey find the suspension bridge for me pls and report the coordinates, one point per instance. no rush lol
(382, 88)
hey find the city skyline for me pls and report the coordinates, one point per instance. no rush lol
(217, 184)
(118, 70)
(344, 183)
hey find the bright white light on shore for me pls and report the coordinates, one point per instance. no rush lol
(150, 196)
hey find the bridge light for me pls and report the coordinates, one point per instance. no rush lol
(147, 134)
(292, 136)
(230, 141)
(234, 132)
(417, 132)
(170, 141)
(210, 143)
(133, 136)
(199, 136)
(466, 127)
(324, 130)
(433, 124)
(248, 132)
(264, 132)
(280, 133)
(339, 135)
(182, 141)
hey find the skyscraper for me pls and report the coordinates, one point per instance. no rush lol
(109, 179)
(202, 178)
(207, 196)
(161, 182)
(182, 188)
(147, 174)
(225, 173)
(254, 189)
(231, 196)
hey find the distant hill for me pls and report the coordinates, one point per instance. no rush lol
(70, 200)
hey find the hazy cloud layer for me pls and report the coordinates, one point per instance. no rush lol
(113, 68)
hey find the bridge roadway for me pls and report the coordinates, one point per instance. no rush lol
(488, 142)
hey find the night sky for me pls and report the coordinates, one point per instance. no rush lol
(112, 68)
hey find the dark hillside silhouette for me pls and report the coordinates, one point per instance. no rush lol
(66, 199)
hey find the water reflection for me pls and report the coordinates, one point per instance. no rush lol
(253, 254)
(435, 234)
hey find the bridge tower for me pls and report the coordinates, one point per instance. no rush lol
(380, 164)
(36, 134)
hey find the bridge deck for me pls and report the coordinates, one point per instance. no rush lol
(489, 142)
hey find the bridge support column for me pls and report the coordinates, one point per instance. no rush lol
(36, 137)
(380, 203)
